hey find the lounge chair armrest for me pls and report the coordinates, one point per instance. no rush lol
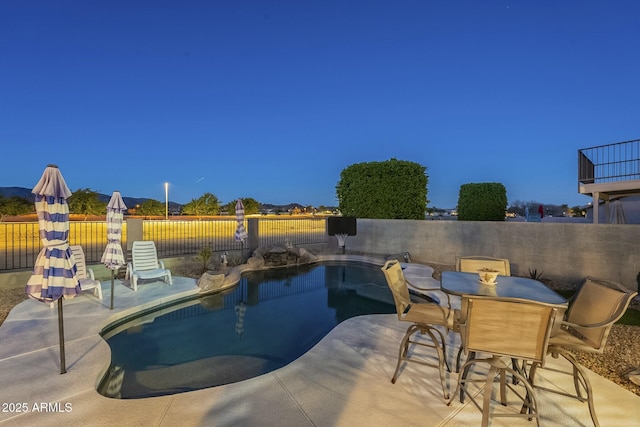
(566, 324)
(161, 263)
(421, 288)
(438, 289)
(90, 273)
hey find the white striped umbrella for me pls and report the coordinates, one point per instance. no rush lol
(241, 233)
(54, 274)
(113, 258)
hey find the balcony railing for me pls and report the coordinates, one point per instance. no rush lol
(609, 163)
(20, 241)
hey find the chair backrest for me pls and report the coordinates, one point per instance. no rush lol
(79, 258)
(395, 279)
(598, 303)
(513, 328)
(472, 264)
(144, 255)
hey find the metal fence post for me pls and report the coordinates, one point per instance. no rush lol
(134, 231)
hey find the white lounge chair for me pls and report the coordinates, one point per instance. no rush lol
(145, 264)
(84, 274)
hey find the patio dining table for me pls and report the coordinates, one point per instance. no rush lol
(459, 283)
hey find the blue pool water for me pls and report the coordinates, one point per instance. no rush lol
(268, 320)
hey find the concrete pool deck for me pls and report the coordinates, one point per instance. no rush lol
(342, 381)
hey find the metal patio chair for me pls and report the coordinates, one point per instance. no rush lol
(592, 311)
(471, 264)
(424, 318)
(504, 329)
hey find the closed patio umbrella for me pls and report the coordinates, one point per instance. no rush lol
(113, 258)
(241, 233)
(54, 274)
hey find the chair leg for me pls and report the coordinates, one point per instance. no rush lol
(441, 358)
(580, 378)
(462, 377)
(444, 348)
(500, 369)
(488, 389)
(458, 357)
(465, 371)
(404, 349)
(503, 388)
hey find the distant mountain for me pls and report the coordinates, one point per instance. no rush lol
(131, 202)
(21, 192)
(267, 207)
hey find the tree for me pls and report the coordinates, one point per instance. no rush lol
(390, 189)
(251, 206)
(485, 201)
(10, 206)
(577, 211)
(207, 204)
(519, 207)
(151, 207)
(86, 202)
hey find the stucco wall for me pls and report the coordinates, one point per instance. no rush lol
(566, 252)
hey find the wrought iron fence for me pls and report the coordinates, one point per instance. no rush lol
(20, 241)
(609, 163)
(297, 231)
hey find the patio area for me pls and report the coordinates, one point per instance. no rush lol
(343, 381)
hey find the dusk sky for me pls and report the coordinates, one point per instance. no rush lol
(273, 99)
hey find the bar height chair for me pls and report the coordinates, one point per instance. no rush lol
(505, 329)
(424, 317)
(471, 264)
(593, 310)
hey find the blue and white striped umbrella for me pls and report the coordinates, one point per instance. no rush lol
(241, 233)
(113, 257)
(54, 275)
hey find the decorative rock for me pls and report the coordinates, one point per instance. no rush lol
(255, 262)
(306, 257)
(280, 256)
(209, 282)
(260, 252)
(276, 257)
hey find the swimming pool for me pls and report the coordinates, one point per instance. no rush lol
(269, 319)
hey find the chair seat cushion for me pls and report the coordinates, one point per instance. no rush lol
(88, 284)
(425, 313)
(564, 338)
(148, 274)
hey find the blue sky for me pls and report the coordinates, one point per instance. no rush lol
(273, 99)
